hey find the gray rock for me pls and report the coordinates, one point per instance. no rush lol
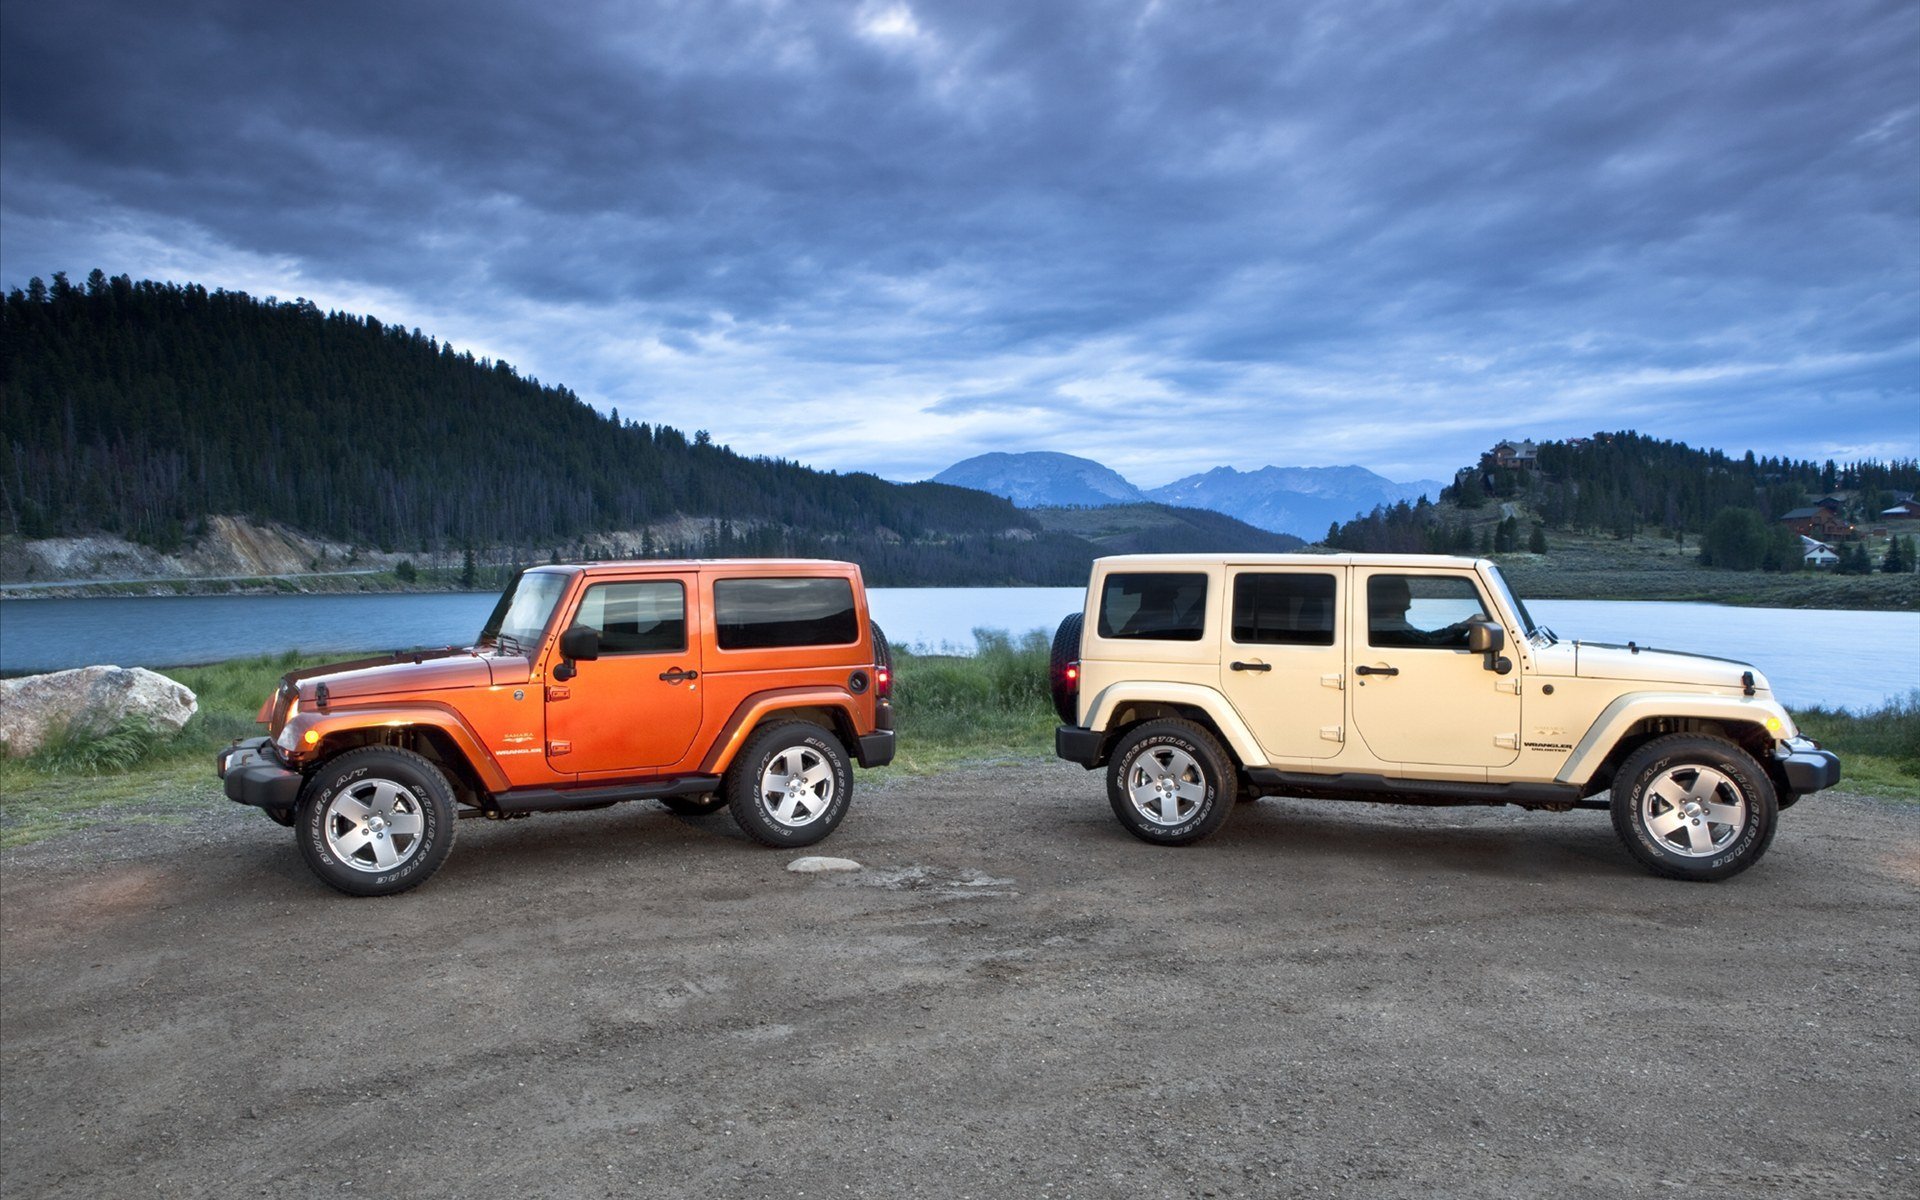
(88, 700)
(813, 864)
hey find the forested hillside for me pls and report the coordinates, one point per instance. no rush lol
(141, 409)
(1623, 484)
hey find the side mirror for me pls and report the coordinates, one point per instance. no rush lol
(1489, 638)
(580, 644)
(1484, 637)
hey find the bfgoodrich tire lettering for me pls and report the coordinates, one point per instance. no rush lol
(791, 784)
(1171, 783)
(1694, 807)
(376, 821)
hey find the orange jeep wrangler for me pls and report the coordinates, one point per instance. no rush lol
(747, 683)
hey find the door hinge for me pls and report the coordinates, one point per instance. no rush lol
(1507, 741)
(1333, 733)
(1337, 681)
(556, 749)
(558, 693)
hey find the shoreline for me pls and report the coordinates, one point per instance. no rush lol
(1578, 569)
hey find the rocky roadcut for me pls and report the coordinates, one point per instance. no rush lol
(1010, 997)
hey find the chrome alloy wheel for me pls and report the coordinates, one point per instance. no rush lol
(1166, 785)
(1693, 810)
(797, 786)
(373, 825)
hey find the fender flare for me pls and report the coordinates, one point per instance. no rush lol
(1634, 707)
(757, 706)
(1208, 700)
(418, 714)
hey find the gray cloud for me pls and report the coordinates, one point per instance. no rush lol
(1288, 233)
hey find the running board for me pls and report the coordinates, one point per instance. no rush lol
(529, 800)
(1380, 789)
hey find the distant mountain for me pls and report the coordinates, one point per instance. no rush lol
(1040, 479)
(1297, 500)
(1302, 501)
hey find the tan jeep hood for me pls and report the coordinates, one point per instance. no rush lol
(1597, 660)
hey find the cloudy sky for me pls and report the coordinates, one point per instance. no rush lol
(1167, 235)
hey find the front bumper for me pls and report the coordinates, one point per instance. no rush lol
(1076, 744)
(251, 774)
(1807, 767)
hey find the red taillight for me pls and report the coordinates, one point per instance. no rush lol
(883, 682)
(1072, 675)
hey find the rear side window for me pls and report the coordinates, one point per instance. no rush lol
(636, 618)
(1283, 610)
(1154, 606)
(759, 614)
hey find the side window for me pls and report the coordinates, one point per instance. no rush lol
(648, 617)
(1423, 611)
(1159, 607)
(1292, 609)
(760, 614)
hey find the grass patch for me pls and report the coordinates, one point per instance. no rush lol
(994, 705)
(133, 775)
(1879, 750)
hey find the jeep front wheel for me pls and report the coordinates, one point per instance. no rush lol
(1694, 808)
(376, 821)
(1171, 783)
(791, 784)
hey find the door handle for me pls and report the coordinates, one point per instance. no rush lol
(1240, 666)
(1376, 670)
(678, 676)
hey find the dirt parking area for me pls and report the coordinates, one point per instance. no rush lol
(1014, 999)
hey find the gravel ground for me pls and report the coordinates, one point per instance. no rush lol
(1014, 999)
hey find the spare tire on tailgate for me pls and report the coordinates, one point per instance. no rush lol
(1066, 651)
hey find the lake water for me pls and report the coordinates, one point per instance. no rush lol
(1814, 657)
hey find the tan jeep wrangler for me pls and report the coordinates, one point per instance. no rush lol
(740, 683)
(1419, 679)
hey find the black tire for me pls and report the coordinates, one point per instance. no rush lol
(882, 648)
(695, 806)
(1668, 794)
(757, 801)
(409, 795)
(1066, 649)
(1172, 755)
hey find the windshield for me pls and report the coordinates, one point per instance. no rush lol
(521, 616)
(1518, 606)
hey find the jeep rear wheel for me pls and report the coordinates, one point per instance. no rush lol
(791, 784)
(1171, 783)
(1694, 808)
(376, 821)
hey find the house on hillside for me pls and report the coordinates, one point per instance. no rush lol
(1523, 456)
(1906, 510)
(1816, 522)
(1818, 554)
(1833, 504)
